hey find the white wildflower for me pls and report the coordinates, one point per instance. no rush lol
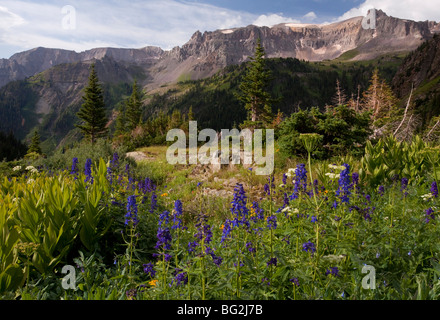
(335, 167)
(332, 175)
(16, 168)
(30, 181)
(427, 196)
(30, 168)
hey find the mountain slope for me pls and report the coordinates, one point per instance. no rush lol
(205, 54)
(421, 69)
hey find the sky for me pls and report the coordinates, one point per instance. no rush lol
(84, 24)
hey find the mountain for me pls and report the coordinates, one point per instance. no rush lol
(421, 70)
(205, 54)
(42, 88)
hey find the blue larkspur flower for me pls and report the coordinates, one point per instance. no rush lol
(404, 186)
(284, 179)
(272, 262)
(250, 247)
(300, 181)
(429, 215)
(215, 259)
(88, 171)
(132, 210)
(434, 189)
(343, 191)
(258, 212)
(381, 190)
(309, 247)
(227, 228)
(149, 269)
(272, 222)
(163, 232)
(239, 209)
(295, 281)
(204, 231)
(177, 221)
(334, 271)
(192, 246)
(181, 278)
(74, 170)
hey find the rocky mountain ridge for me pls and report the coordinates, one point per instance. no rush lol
(206, 53)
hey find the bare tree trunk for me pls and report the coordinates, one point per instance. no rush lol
(406, 111)
(430, 131)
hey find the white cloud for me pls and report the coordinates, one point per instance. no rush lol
(272, 19)
(164, 23)
(8, 19)
(418, 10)
(310, 16)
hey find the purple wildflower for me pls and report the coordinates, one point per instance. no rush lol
(177, 221)
(163, 232)
(309, 247)
(131, 215)
(434, 189)
(295, 281)
(88, 171)
(227, 228)
(334, 271)
(429, 215)
(300, 180)
(344, 184)
(381, 190)
(74, 170)
(239, 209)
(272, 262)
(250, 248)
(181, 278)
(192, 246)
(272, 222)
(404, 186)
(149, 269)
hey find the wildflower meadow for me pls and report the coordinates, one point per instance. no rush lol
(310, 232)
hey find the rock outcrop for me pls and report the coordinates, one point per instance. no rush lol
(206, 53)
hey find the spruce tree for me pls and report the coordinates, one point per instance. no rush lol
(92, 112)
(35, 143)
(120, 121)
(254, 90)
(133, 108)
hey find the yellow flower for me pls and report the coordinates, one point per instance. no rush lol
(153, 283)
(222, 227)
(164, 194)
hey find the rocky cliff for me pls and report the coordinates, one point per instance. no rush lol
(206, 53)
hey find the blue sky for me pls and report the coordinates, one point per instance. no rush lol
(84, 24)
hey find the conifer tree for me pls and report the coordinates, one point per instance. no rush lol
(92, 112)
(133, 108)
(254, 90)
(190, 114)
(379, 97)
(120, 121)
(35, 143)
